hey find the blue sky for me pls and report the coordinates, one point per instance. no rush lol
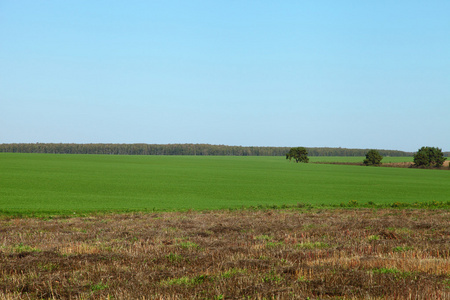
(354, 74)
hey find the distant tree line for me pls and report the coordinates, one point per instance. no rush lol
(182, 149)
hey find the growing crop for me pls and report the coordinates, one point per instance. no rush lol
(49, 185)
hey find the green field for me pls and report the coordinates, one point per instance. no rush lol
(51, 183)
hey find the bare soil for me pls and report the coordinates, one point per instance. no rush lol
(445, 166)
(260, 254)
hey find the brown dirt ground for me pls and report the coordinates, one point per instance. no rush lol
(262, 254)
(410, 165)
(445, 166)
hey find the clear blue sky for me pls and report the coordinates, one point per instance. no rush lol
(354, 74)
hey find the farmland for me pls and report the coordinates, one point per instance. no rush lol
(61, 184)
(241, 254)
(199, 227)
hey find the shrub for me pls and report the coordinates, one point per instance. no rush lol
(299, 154)
(373, 158)
(429, 156)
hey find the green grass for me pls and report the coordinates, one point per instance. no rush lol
(52, 183)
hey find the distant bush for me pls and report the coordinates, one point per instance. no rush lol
(300, 154)
(373, 158)
(429, 156)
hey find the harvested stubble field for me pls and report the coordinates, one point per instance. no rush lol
(240, 254)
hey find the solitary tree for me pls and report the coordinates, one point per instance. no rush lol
(429, 156)
(299, 154)
(373, 158)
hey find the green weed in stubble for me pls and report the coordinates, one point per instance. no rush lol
(173, 257)
(233, 272)
(189, 245)
(272, 276)
(312, 245)
(373, 237)
(274, 244)
(47, 267)
(98, 287)
(186, 281)
(263, 237)
(19, 248)
(393, 271)
(446, 282)
(402, 249)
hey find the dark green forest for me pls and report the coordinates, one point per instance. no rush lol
(182, 149)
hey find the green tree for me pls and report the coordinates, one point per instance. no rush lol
(373, 158)
(299, 154)
(429, 156)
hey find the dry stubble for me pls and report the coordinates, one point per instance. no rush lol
(336, 254)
